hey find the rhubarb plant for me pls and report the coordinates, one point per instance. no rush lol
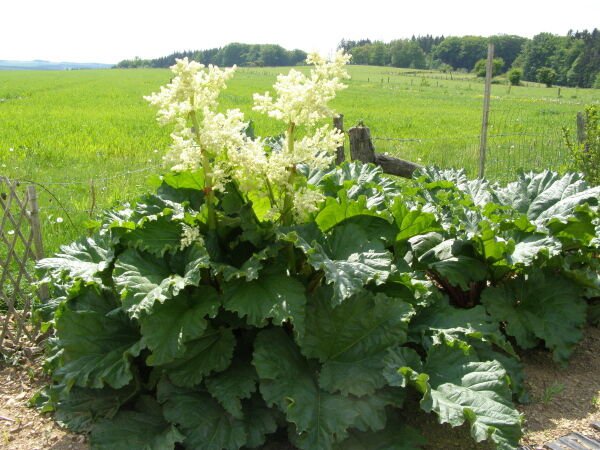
(261, 297)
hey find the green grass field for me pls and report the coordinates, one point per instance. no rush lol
(90, 139)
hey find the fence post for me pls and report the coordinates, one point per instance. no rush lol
(486, 109)
(361, 147)
(338, 122)
(580, 128)
(92, 198)
(36, 230)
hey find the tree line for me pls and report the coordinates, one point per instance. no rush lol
(249, 55)
(571, 60)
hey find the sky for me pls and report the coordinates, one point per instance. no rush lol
(109, 31)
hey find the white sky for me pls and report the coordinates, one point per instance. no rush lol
(111, 30)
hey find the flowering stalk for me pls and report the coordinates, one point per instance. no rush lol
(217, 142)
(208, 184)
(288, 202)
(192, 96)
(303, 101)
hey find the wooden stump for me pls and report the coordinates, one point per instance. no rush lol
(362, 149)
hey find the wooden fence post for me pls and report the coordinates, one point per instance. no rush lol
(36, 229)
(362, 149)
(580, 128)
(486, 109)
(361, 146)
(338, 122)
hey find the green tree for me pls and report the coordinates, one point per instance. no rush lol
(360, 54)
(404, 53)
(448, 51)
(480, 67)
(515, 75)
(544, 50)
(473, 48)
(507, 47)
(546, 75)
(297, 57)
(273, 55)
(461, 52)
(233, 54)
(379, 54)
(584, 58)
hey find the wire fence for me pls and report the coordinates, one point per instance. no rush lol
(507, 154)
(68, 207)
(512, 147)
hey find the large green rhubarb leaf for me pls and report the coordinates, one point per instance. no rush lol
(413, 222)
(352, 339)
(238, 382)
(250, 269)
(580, 228)
(460, 389)
(142, 429)
(358, 179)
(532, 246)
(79, 408)
(275, 296)
(156, 234)
(288, 381)
(337, 209)
(97, 341)
(205, 424)
(82, 260)
(513, 366)
(349, 257)
(455, 261)
(546, 307)
(178, 320)
(473, 326)
(449, 323)
(479, 189)
(260, 421)
(210, 353)
(142, 280)
(546, 195)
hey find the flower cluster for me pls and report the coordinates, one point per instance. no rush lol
(217, 142)
(301, 99)
(190, 101)
(192, 88)
(189, 235)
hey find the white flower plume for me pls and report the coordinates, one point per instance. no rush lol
(217, 142)
(191, 88)
(303, 100)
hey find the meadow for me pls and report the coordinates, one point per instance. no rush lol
(89, 139)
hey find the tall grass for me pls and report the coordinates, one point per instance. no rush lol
(79, 133)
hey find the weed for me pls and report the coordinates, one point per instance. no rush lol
(552, 391)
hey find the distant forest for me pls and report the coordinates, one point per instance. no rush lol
(574, 59)
(248, 55)
(571, 60)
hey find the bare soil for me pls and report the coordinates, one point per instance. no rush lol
(22, 427)
(563, 400)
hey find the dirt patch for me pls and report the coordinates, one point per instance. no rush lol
(21, 427)
(563, 400)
